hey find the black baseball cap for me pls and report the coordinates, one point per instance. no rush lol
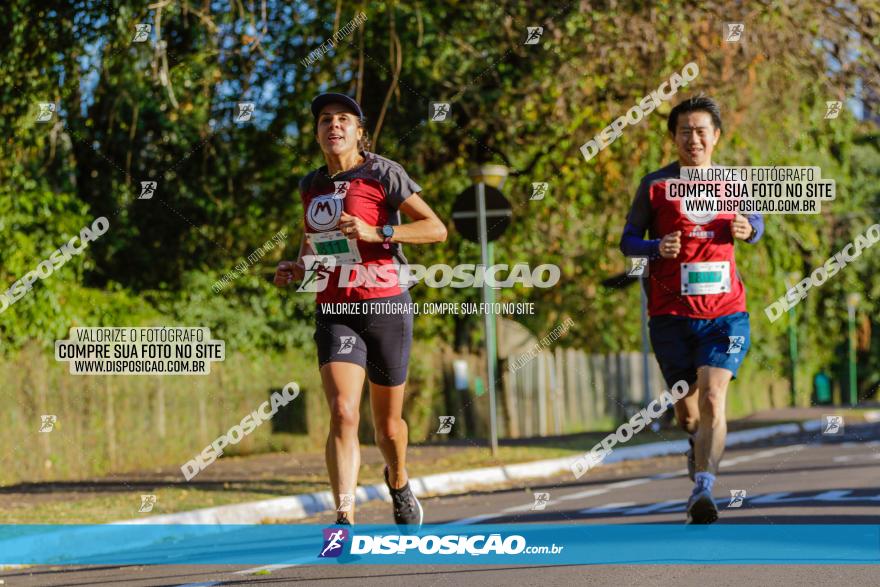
(323, 99)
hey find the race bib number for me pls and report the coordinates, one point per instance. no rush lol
(698, 279)
(336, 245)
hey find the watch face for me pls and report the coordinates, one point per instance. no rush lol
(387, 231)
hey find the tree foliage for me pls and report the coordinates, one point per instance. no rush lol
(162, 110)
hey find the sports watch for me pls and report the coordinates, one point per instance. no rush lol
(387, 232)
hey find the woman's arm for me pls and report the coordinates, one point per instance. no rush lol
(288, 271)
(425, 228)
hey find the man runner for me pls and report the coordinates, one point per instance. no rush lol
(696, 300)
(351, 209)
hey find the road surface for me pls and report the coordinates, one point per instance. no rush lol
(799, 479)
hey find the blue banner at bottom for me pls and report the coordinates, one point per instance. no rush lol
(528, 544)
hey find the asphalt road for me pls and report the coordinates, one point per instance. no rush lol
(804, 479)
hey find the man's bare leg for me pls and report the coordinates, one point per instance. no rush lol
(712, 430)
(687, 414)
(687, 410)
(712, 384)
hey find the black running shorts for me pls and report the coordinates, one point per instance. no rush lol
(375, 334)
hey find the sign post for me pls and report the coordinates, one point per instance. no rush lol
(481, 213)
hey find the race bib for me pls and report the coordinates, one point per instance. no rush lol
(698, 279)
(336, 245)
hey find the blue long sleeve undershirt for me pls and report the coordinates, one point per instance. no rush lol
(632, 243)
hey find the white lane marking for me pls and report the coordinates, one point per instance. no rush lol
(847, 458)
(266, 568)
(523, 508)
(245, 572)
(671, 475)
(608, 507)
(632, 483)
(771, 499)
(583, 494)
(587, 493)
(760, 455)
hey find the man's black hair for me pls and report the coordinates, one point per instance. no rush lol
(695, 104)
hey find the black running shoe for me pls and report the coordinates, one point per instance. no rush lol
(342, 519)
(701, 508)
(692, 459)
(407, 509)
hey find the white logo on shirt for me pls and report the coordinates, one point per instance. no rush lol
(324, 212)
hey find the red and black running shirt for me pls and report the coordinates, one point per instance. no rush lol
(710, 241)
(372, 191)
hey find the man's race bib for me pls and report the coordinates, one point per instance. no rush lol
(335, 244)
(705, 278)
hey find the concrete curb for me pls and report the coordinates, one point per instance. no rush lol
(296, 507)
